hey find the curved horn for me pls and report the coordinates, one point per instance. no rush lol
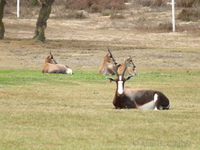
(115, 68)
(53, 58)
(51, 55)
(115, 62)
(110, 52)
(124, 71)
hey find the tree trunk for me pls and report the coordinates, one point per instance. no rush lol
(2, 29)
(42, 20)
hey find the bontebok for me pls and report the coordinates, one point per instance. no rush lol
(51, 66)
(107, 64)
(126, 97)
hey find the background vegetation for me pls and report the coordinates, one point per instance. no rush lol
(187, 12)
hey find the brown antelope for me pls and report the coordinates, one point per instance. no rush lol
(126, 97)
(128, 62)
(51, 66)
(107, 64)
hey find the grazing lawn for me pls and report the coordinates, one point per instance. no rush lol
(75, 112)
(56, 111)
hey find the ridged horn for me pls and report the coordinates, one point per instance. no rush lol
(115, 62)
(124, 71)
(53, 58)
(115, 68)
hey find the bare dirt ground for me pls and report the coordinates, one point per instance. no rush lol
(83, 43)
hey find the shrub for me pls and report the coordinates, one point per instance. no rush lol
(165, 26)
(150, 2)
(77, 15)
(116, 16)
(189, 14)
(95, 5)
(23, 2)
(187, 3)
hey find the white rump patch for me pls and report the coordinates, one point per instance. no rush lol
(155, 98)
(69, 71)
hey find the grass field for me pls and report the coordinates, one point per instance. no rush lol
(55, 111)
(75, 112)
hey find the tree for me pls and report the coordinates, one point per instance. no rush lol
(42, 20)
(2, 29)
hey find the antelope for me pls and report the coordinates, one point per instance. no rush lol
(52, 66)
(128, 62)
(126, 97)
(107, 64)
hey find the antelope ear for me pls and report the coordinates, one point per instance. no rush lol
(129, 77)
(110, 79)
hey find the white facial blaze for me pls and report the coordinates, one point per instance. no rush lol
(120, 86)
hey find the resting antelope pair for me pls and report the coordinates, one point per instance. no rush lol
(51, 66)
(126, 97)
(110, 66)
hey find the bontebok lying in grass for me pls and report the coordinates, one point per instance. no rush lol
(126, 97)
(119, 68)
(128, 62)
(51, 66)
(107, 64)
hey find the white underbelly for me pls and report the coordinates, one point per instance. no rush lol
(147, 106)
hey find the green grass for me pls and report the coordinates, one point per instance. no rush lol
(55, 111)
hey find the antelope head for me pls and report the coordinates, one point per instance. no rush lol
(129, 63)
(50, 59)
(53, 58)
(120, 80)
